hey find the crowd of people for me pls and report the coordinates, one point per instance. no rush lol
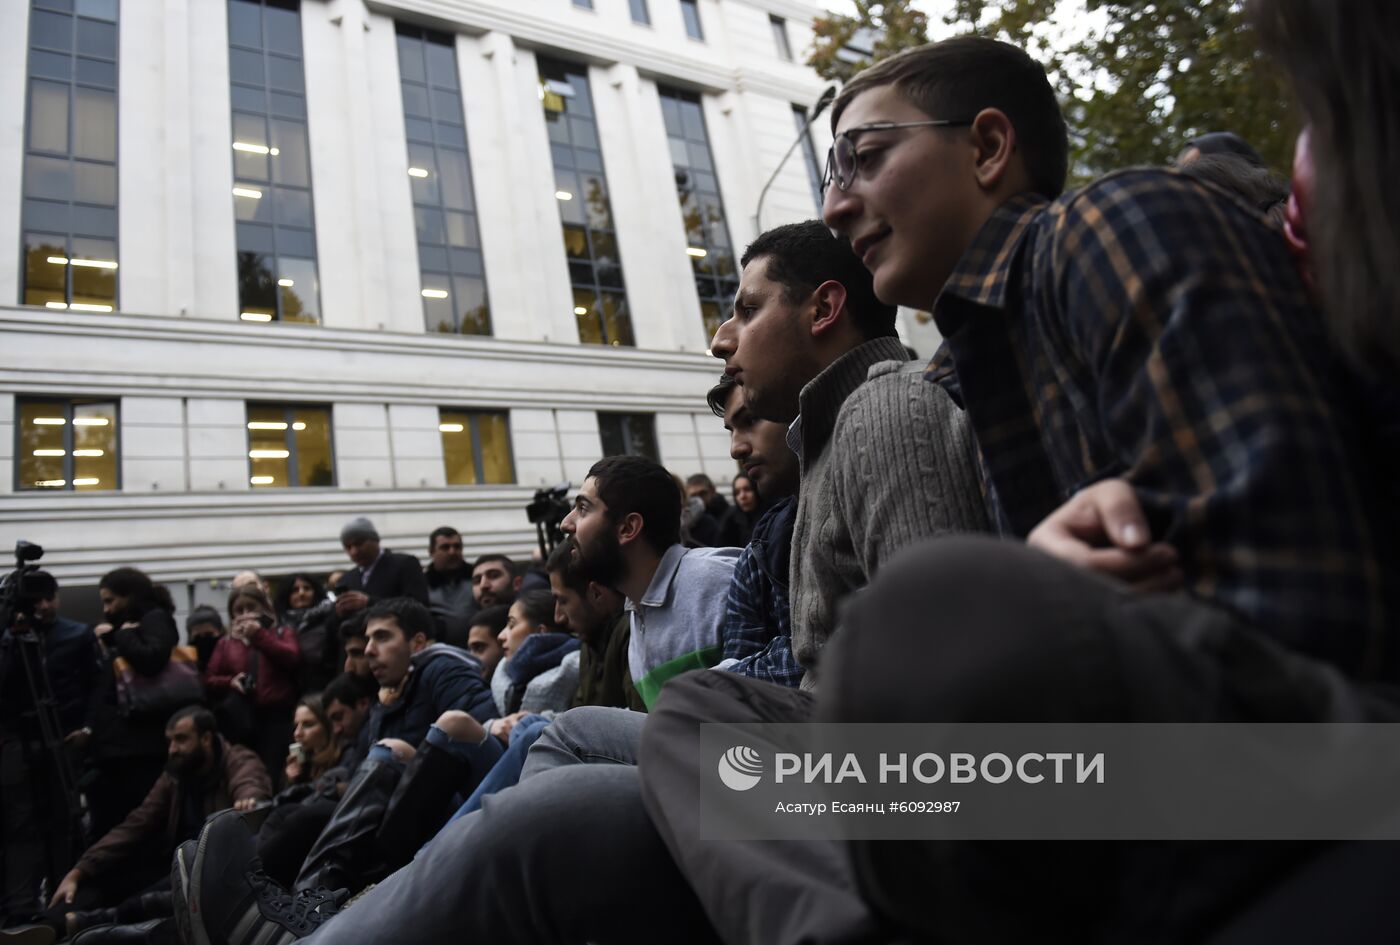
(1150, 476)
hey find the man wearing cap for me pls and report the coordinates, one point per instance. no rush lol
(378, 573)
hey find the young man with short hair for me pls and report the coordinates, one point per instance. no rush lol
(597, 615)
(450, 596)
(494, 581)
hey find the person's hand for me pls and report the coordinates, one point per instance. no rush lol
(67, 889)
(292, 769)
(350, 602)
(402, 750)
(240, 684)
(102, 629)
(78, 738)
(461, 727)
(131, 625)
(1102, 528)
(502, 728)
(245, 804)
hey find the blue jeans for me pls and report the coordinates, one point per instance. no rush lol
(506, 771)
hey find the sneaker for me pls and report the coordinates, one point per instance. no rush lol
(223, 897)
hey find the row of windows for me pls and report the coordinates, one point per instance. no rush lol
(70, 178)
(65, 444)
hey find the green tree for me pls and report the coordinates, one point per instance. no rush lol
(1157, 74)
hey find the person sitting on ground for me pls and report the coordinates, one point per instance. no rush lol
(484, 638)
(538, 672)
(353, 643)
(204, 774)
(597, 615)
(315, 747)
(303, 605)
(253, 673)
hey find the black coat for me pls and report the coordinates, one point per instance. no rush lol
(395, 575)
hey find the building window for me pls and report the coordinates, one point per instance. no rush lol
(707, 233)
(453, 278)
(584, 4)
(581, 191)
(275, 220)
(780, 37)
(690, 12)
(476, 447)
(289, 445)
(640, 13)
(70, 158)
(66, 444)
(629, 434)
(809, 152)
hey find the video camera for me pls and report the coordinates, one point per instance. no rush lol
(546, 511)
(19, 591)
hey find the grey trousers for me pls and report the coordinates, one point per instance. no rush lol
(567, 855)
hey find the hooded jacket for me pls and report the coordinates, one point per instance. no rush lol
(441, 677)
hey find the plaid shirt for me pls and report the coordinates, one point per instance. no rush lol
(757, 618)
(1150, 328)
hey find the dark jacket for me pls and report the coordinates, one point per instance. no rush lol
(320, 662)
(441, 677)
(71, 664)
(394, 575)
(279, 655)
(736, 527)
(239, 774)
(603, 675)
(453, 605)
(147, 648)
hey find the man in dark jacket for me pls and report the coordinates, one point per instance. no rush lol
(378, 573)
(450, 595)
(203, 774)
(38, 836)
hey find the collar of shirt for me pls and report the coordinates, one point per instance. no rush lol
(822, 397)
(366, 572)
(660, 586)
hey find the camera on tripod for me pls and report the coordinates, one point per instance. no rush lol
(20, 591)
(546, 511)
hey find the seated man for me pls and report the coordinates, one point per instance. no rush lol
(494, 581)
(597, 615)
(204, 774)
(484, 638)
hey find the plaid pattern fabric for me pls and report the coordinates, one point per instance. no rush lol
(1150, 327)
(757, 619)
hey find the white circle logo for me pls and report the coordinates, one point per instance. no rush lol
(740, 768)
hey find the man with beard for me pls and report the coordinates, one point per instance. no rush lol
(204, 773)
(451, 597)
(626, 526)
(597, 616)
(494, 581)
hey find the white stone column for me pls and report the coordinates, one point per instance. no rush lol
(210, 136)
(14, 66)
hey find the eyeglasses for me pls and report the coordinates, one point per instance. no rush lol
(842, 161)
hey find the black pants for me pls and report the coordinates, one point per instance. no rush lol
(972, 629)
(36, 833)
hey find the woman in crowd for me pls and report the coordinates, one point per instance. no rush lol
(737, 527)
(254, 670)
(137, 634)
(315, 748)
(539, 671)
(303, 605)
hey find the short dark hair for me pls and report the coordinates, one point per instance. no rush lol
(412, 617)
(628, 484)
(493, 618)
(700, 479)
(562, 562)
(718, 397)
(442, 531)
(538, 607)
(253, 593)
(353, 626)
(204, 614)
(956, 78)
(801, 256)
(504, 559)
(41, 584)
(1258, 186)
(348, 689)
(204, 721)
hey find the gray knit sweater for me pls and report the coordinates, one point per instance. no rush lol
(887, 459)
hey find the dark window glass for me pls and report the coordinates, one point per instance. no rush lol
(585, 4)
(581, 192)
(289, 446)
(690, 12)
(780, 37)
(66, 445)
(272, 202)
(809, 154)
(640, 13)
(70, 167)
(476, 447)
(629, 434)
(702, 210)
(452, 286)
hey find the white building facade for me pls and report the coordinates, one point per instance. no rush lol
(257, 278)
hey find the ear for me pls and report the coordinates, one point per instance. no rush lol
(418, 642)
(829, 302)
(595, 592)
(515, 585)
(995, 140)
(629, 528)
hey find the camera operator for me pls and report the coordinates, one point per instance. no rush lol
(37, 831)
